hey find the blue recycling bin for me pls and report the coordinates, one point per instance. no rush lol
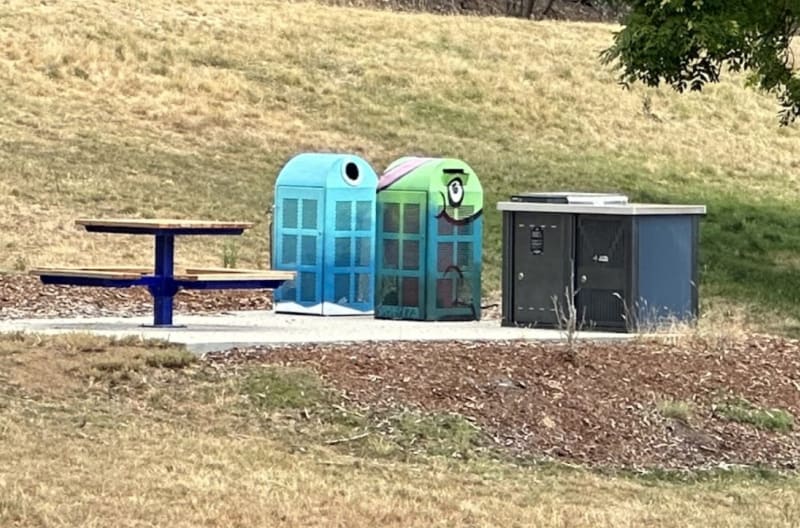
(324, 229)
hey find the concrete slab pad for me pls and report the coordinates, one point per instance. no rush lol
(205, 333)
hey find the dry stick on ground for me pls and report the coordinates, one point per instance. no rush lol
(349, 439)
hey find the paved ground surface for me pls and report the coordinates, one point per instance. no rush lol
(215, 320)
(213, 332)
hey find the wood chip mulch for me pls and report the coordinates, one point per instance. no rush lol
(599, 410)
(23, 296)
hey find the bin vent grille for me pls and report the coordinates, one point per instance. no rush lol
(300, 248)
(603, 241)
(601, 305)
(352, 250)
(402, 253)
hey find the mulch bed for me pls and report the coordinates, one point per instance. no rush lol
(23, 296)
(530, 398)
(601, 409)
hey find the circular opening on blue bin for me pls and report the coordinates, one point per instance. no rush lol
(351, 172)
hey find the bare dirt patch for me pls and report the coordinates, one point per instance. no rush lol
(606, 409)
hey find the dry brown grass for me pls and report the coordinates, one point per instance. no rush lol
(89, 444)
(720, 322)
(189, 108)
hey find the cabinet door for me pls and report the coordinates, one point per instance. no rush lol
(298, 247)
(602, 258)
(542, 263)
(350, 252)
(400, 255)
(454, 268)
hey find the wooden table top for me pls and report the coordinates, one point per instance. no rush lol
(161, 223)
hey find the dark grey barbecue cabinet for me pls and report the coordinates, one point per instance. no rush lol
(625, 266)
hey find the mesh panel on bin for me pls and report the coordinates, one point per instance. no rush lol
(309, 214)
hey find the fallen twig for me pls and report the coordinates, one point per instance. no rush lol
(350, 439)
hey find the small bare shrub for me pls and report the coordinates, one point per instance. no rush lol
(567, 316)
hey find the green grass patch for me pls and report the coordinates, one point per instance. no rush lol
(742, 411)
(272, 388)
(715, 477)
(749, 251)
(367, 432)
(676, 410)
(405, 435)
(117, 363)
(171, 359)
(448, 435)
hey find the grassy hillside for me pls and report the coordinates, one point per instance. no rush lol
(189, 108)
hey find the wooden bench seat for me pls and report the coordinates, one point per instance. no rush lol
(91, 273)
(187, 274)
(224, 270)
(132, 269)
(228, 274)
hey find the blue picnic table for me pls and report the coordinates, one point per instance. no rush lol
(162, 281)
